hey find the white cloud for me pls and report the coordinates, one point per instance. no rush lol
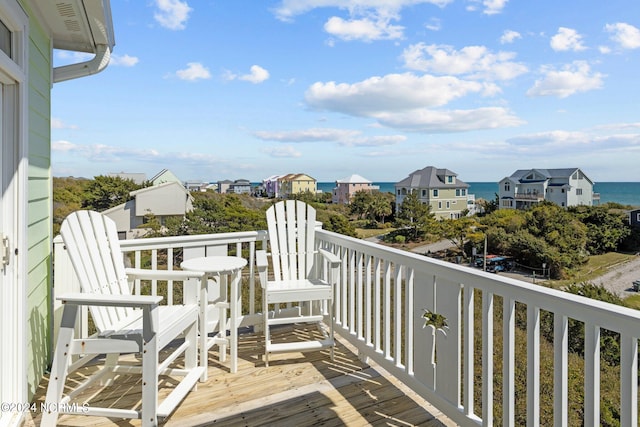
(492, 7)
(257, 75)
(288, 9)
(194, 71)
(434, 24)
(475, 62)
(363, 29)
(63, 146)
(625, 35)
(59, 124)
(431, 121)
(509, 36)
(282, 151)
(124, 60)
(172, 14)
(567, 39)
(489, 7)
(344, 137)
(307, 135)
(571, 79)
(393, 92)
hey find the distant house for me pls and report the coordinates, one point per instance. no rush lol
(195, 185)
(271, 185)
(440, 188)
(169, 199)
(347, 187)
(634, 218)
(165, 175)
(297, 183)
(240, 186)
(223, 186)
(527, 187)
(138, 178)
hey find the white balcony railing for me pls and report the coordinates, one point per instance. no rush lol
(380, 299)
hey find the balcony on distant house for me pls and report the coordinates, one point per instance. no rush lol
(483, 365)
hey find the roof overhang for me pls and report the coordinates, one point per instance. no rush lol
(78, 26)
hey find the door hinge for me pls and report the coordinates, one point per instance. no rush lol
(5, 251)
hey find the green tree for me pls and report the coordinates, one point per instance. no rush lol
(416, 217)
(457, 231)
(105, 192)
(605, 229)
(218, 213)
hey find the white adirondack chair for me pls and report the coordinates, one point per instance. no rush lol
(296, 267)
(126, 324)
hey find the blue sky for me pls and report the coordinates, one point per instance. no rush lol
(230, 89)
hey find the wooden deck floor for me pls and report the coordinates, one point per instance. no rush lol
(295, 390)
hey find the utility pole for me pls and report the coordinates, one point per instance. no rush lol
(484, 268)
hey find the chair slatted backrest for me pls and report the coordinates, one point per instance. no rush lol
(291, 237)
(92, 242)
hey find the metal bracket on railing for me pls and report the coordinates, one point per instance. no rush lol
(5, 251)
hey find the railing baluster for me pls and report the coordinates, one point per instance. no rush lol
(154, 266)
(533, 365)
(628, 380)
(367, 300)
(352, 291)
(409, 319)
(591, 374)
(508, 361)
(386, 304)
(487, 358)
(170, 282)
(560, 370)
(397, 314)
(360, 295)
(377, 305)
(469, 350)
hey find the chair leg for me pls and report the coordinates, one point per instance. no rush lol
(265, 311)
(150, 367)
(60, 365)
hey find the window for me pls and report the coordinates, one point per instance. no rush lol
(439, 205)
(435, 193)
(424, 193)
(448, 205)
(563, 191)
(464, 191)
(579, 191)
(5, 39)
(507, 203)
(457, 192)
(450, 179)
(507, 186)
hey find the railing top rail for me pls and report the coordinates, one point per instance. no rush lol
(609, 316)
(188, 241)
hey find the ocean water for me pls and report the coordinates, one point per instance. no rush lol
(625, 193)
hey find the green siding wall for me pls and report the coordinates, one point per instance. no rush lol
(39, 226)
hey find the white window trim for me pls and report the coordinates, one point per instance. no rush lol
(13, 77)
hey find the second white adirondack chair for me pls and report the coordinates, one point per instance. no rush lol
(297, 266)
(126, 324)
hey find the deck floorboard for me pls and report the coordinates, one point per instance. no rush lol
(297, 389)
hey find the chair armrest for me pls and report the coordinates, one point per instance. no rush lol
(261, 259)
(139, 301)
(147, 274)
(262, 264)
(332, 258)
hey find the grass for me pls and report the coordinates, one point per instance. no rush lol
(365, 233)
(595, 267)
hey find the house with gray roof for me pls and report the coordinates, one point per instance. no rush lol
(440, 188)
(527, 187)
